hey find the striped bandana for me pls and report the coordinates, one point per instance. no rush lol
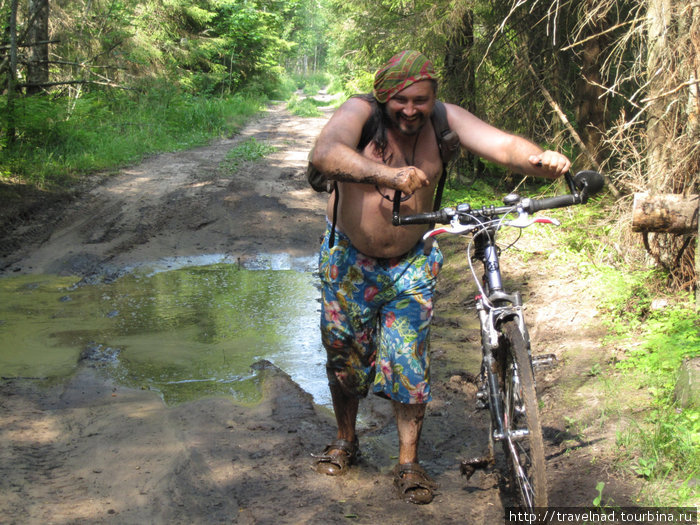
(402, 70)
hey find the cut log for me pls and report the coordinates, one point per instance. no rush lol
(668, 213)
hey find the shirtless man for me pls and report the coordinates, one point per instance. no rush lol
(377, 281)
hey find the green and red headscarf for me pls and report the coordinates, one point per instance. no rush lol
(402, 70)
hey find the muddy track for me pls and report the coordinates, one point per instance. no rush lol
(91, 451)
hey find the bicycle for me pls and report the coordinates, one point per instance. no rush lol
(507, 368)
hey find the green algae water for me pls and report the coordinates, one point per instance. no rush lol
(186, 332)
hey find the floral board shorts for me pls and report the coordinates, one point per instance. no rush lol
(375, 319)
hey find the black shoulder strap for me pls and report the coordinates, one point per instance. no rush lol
(448, 142)
(331, 239)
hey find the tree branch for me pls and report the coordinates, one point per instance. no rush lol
(671, 92)
(32, 44)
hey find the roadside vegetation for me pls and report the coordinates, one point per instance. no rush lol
(60, 140)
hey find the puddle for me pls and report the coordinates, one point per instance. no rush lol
(185, 327)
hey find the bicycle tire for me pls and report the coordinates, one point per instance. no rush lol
(524, 455)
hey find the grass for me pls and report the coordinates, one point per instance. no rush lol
(304, 107)
(249, 150)
(663, 446)
(657, 438)
(60, 139)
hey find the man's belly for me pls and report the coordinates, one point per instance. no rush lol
(365, 217)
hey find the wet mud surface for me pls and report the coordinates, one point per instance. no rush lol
(87, 450)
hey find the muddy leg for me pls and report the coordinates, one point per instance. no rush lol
(345, 407)
(409, 421)
(339, 455)
(411, 480)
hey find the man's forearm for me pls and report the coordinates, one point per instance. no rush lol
(528, 158)
(520, 151)
(346, 165)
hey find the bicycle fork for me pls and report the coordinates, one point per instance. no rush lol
(489, 318)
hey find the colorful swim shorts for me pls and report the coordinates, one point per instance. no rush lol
(375, 319)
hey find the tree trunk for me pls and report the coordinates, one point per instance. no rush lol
(459, 82)
(38, 65)
(10, 130)
(668, 213)
(658, 136)
(590, 112)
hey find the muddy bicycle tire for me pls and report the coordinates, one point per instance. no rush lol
(525, 455)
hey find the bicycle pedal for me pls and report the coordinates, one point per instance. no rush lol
(544, 362)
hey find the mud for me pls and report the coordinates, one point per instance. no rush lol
(87, 450)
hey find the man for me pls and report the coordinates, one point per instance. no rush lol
(377, 281)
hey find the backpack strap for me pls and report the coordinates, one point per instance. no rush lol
(448, 143)
(447, 139)
(331, 240)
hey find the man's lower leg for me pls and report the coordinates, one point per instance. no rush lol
(345, 407)
(412, 481)
(340, 454)
(409, 422)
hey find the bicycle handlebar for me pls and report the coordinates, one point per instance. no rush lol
(582, 186)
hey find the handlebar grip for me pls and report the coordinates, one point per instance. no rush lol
(421, 218)
(548, 203)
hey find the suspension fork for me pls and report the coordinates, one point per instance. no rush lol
(487, 252)
(494, 309)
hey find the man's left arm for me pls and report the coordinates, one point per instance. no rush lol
(512, 151)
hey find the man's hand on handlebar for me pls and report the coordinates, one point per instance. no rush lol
(552, 163)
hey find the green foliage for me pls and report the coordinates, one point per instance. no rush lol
(479, 193)
(312, 83)
(61, 138)
(486, 189)
(304, 107)
(669, 337)
(626, 296)
(598, 500)
(249, 150)
(667, 442)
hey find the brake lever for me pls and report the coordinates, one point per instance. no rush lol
(524, 220)
(454, 227)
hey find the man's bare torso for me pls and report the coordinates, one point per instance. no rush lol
(364, 214)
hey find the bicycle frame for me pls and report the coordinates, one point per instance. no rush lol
(494, 305)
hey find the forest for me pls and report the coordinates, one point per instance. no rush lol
(88, 85)
(613, 83)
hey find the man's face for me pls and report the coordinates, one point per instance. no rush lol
(410, 108)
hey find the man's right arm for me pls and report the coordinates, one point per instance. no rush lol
(336, 156)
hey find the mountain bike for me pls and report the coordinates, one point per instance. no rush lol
(507, 372)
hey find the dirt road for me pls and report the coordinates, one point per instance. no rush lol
(91, 451)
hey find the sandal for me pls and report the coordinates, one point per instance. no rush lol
(339, 463)
(413, 483)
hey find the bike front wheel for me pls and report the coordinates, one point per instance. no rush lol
(522, 440)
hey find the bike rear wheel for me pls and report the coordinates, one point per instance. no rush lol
(522, 440)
